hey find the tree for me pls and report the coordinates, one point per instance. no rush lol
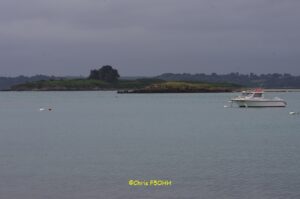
(106, 73)
(94, 74)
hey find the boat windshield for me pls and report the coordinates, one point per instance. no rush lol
(257, 95)
(245, 94)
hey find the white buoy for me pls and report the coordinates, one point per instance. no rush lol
(294, 113)
(225, 106)
(46, 109)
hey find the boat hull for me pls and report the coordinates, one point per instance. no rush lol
(260, 103)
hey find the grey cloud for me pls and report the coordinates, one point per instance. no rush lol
(142, 37)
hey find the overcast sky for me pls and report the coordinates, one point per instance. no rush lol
(149, 37)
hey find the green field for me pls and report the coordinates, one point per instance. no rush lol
(139, 85)
(83, 84)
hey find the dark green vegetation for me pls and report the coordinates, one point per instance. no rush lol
(105, 73)
(107, 78)
(247, 80)
(185, 87)
(7, 82)
(274, 80)
(83, 84)
(126, 86)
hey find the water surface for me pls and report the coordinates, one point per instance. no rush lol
(92, 143)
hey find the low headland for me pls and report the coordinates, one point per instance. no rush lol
(108, 78)
(126, 86)
(184, 87)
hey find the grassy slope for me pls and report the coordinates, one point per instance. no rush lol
(191, 85)
(145, 84)
(177, 86)
(78, 84)
(84, 84)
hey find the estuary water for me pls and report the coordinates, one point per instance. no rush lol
(92, 143)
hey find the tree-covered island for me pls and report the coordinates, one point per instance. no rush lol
(108, 78)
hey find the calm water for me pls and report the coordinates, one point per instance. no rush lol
(92, 143)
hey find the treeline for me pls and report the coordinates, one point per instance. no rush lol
(7, 82)
(274, 80)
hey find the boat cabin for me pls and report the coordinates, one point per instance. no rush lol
(257, 93)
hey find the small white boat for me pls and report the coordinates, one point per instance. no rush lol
(255, 98)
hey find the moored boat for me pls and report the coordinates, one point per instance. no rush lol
(255, 98)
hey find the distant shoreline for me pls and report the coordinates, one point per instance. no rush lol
(140, 91)
(128, 86)
(273, 81)
(144, 85)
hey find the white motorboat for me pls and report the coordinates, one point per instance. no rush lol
(255, 98)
